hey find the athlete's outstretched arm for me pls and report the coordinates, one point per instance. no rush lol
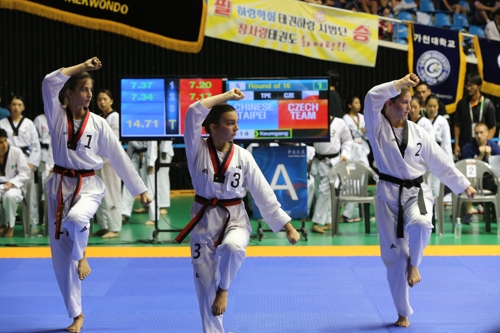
(233, 94)
(91, 64)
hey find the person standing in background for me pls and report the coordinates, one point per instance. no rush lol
(109, 212)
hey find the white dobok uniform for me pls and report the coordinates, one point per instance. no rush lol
(97, 140)
(340, 143)
(163, 175)
(310, 152)
(443, 138)
(421, 149)
(360, 148)
(27, 140)
(142, 154)
(229, 255)
(43, 171)
(16, 171)
(109, 213)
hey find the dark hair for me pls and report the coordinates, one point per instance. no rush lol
(481, 124)
(404, 90)
(62, 96)
(3, 133)
(215, 115)
(475, 79)
(431, 96)
(348, 101)
(496, 12)
(107, 92)
(334, 77)
(423, 83)
(21, 98)
(73, 82)
(417, 99)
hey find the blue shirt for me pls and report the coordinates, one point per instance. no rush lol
(4, 113)
(471, 149)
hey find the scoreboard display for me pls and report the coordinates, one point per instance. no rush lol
(154, 108)
(293, 109)
(274, 109)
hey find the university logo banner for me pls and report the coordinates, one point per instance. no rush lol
(488, 64)
(296, 27)
(436, 56)
(285, 169)
(175, 25)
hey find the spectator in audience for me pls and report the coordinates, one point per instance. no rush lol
(416, 116)
(12, 181)
(423, 90)
(328, 154)
(454, 6)
(385, 28)
(483, 10)
(473, 109)
(480, 148)
(335, 100)
(492, 29)
(4, 113)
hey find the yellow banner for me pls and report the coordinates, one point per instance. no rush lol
(296, 27)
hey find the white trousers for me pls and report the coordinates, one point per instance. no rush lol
(310, 193)
(226, 259)
(395, 251)
(109, 212)
(164, 184)
(69, 248)
(30, 210)
(10, 201)
(323, 206)
(149, 181)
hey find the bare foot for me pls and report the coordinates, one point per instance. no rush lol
(163, 211)
(9, 232)
(77, 324)
(140, 210)
(83, 271)
(220, 303)
(327, 226)
(3, 228)
(149, 222)
(100, 232)
(317, 229)
(413, 274)
(402, 321)
(110, 234)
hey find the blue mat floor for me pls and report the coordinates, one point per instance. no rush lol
(314, 295)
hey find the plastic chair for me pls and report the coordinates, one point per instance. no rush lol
(476, 30)
(465, 4)
(460, 20)
(401, 31)
(474, 170)
(405, 16)
(426, 6)
(442, 20)
(438, 205)
(353, 187)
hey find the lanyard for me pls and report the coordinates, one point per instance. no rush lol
(219, 168)
(480, 111)
(74, 137)
(2, 166)
(15, 129)
(357, 123)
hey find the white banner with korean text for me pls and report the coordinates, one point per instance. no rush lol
(296, 27)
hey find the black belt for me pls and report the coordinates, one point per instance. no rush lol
(44, 146)
(26, 150)
(223, 203)
(408, 184)
(324, 157)
(140, 152)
